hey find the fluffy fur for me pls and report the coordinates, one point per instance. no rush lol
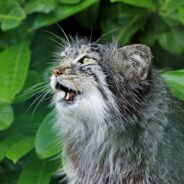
(122, 128)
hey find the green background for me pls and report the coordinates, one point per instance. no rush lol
(30, 34)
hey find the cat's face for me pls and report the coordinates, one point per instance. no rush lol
(80, 82)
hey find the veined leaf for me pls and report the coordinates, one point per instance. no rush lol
(171, 5)
(69, 2)
(15, 146)
(28, 91)
(20, 148)
(125, 22)
(47, 142)
(6, 116)
(61, 12)
(139, 3)
(14, 62)
(172, 41)
(38, 171)
(132, 27)
(5, 144)
(152, 30)
(171, 19)
(11, 14)
(44, 6)
(175, 80)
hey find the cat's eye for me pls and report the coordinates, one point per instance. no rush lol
(87, 60)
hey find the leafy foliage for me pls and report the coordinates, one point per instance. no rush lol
(37, 171)
(47, 143)
(14, 67)
(6, 116)
(11, 14)
(29, 145)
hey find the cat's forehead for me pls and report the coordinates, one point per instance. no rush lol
(76, 50)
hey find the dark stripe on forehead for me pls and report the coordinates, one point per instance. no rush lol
(94, 47)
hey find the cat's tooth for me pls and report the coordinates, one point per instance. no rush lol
(67, 96)
(61, 94)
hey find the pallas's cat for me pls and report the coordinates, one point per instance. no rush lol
(117, 118)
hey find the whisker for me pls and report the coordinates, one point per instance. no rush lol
(31, 89)
(39, 88)
(56, 36)
(91, 34)
(105, 34)
(71, 38)
(41, 100)
(56, 42)
(35, 87)
(64, 34)
(37, 97)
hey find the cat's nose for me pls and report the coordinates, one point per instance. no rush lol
(57, 71)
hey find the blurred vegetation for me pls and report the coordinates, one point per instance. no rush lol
(27, 141)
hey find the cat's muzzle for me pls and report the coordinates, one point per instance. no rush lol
(70, 94)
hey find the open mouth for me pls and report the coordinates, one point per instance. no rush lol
(70, 94)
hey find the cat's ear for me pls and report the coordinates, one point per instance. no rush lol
(135, 60)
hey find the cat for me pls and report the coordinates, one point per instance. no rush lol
(118, 120)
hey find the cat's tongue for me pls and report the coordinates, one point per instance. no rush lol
(70, 96)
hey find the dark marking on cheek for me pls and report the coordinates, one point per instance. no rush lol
(98, 82)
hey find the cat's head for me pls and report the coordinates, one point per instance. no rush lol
(88, 75)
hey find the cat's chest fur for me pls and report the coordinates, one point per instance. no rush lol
(98, 158)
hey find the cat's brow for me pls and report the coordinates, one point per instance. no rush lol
(79, 57)
(62, 55)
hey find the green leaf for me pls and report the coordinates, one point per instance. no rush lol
(175, 80)
(61, 12)
(8, 142)
(11, 14)
(38, 171)
(172, 20)
(4, 145)
(125, 23)
(6, 116)
(24, 122)
(152, 30)
(70, 2)
(14, 62)
(181, 14)
(44, 6)
(47, 142)
(173, 41)
(40, 61)
(28, 91)
(20, 148)
(132, 27)
(138, 3)
(171, 5)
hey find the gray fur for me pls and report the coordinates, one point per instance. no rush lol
(123, 128)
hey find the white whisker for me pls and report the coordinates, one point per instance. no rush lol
(64, 35)
(41, 100)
